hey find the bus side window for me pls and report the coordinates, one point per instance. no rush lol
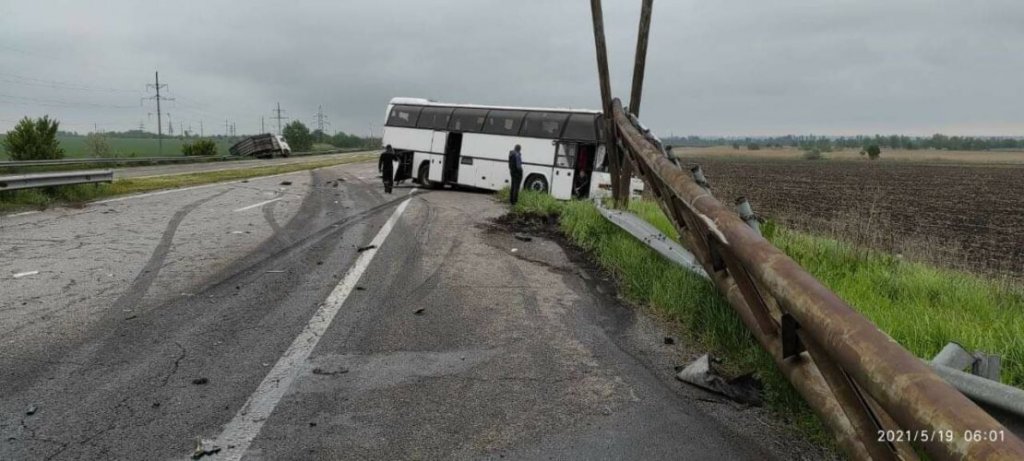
(566, 156)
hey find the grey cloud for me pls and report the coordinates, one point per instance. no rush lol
(731, 67)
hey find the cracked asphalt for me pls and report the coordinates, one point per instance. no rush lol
(152, 320)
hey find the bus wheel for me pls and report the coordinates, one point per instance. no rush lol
(424, 175)
(536, 182)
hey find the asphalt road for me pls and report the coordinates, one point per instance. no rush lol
(163, 170)
(244, 315)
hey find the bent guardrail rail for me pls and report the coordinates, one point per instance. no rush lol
(858, 380)
(29, 181)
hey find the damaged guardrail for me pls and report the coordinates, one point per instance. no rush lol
(863, 385)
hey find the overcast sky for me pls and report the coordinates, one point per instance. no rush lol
(715, 67)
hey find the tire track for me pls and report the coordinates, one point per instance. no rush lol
(140, 285)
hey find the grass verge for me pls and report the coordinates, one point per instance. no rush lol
(921, 307)
(79, 194)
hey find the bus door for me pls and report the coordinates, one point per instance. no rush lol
(562, 175)
(452, 157)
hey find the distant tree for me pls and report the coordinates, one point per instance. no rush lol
(202, 147)
(97, 146)
(812, 154)
(298, 136)
(873, 151)
(753, 146)
(342, 140)
(34, 140)
(736, 145)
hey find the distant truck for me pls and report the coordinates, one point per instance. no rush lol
(261, 146)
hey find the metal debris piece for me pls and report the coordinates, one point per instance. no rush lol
(202, 450)
(286, 183)
(670, 340)
(200, 381)
(419, 311)
(31, 410)
(367, 247)
(701, 373)
(321, 371)
(25, 274)
(525, 238)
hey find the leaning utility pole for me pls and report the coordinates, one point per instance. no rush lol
(641, 58)
(263, 129)
(612, 146)
(279, 117)
(159, 127)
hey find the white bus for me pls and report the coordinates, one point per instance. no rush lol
(461, 144)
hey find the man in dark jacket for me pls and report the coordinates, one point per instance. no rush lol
(386, 167)
(515, 169)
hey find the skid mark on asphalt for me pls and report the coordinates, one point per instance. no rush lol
(147, 275)
(239, 433)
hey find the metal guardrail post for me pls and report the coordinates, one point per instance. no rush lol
(747, 214)
(698, 177)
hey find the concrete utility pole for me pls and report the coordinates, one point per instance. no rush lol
(226, 132)
(159, 124)
(279, 117)
(612, 146)
(263, 129)
(636, 94)
(202, 134)
(170, 125)
(641, 58)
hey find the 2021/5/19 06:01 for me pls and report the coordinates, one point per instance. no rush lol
(940, 436)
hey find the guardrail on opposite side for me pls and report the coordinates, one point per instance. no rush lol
(29, 181)
(858, 380)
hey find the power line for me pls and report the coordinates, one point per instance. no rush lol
(321, 120)
(159, 129)
(57, 84)
(59, 102)
(279, 117)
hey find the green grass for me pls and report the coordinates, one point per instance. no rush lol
(79, 194)
(74, 146)
(921, 307)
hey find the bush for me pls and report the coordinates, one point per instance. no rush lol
(97, 146)
(753, 146)
(873, 151)
(812, 154)
(34, 140)
(298, 137)
(200, 148)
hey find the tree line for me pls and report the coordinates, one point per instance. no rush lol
(829, 143)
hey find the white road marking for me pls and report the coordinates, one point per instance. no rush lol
(238, 434)
(25, 274)
(257, 205)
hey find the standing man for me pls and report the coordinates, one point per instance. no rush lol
(515, 169)
(386, 166)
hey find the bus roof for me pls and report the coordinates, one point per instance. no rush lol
(427, 102)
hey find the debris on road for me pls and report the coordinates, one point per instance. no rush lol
(360, 288)
(670, 340)
(200, 381)
(419, 311)
(523, 237)
(515, 250)
(25, 274)
(367, 247)
(31, 410)
(321, 371)
(201, 450)
(319, 263)
(131, 317)
(286, 183)
(701, 373)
